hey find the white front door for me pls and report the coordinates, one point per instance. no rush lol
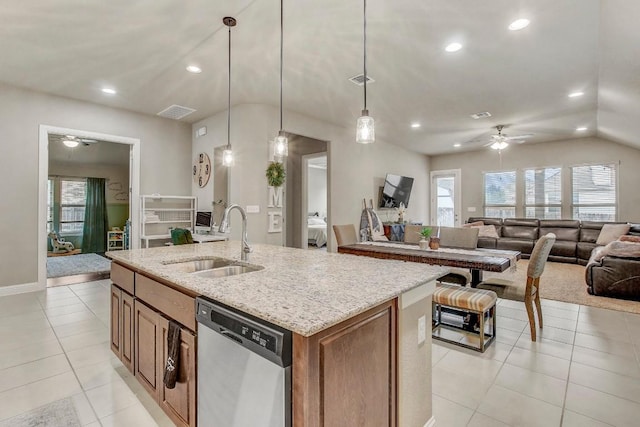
(445, 198)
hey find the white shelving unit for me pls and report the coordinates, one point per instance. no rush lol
(158, 214)
(115, 240)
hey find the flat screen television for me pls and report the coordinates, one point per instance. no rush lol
(396, 190)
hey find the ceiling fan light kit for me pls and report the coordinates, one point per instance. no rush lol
(365, 125)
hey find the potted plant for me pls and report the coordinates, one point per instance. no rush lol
(425, 233)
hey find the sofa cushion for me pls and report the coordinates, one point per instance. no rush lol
(611, 232)
(487, 242)
(634, 230)
(519, 232)
(523, 245)
(584, 250)
(563, 229)
(564, 248)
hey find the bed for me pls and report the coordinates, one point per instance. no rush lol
(317, 231)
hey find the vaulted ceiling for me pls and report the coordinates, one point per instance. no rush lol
(74, 48)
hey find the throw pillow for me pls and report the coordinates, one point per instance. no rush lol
(611, 232)
(473, 224)
(627, 238)
(488, 231)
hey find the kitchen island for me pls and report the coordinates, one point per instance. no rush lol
(361, 327)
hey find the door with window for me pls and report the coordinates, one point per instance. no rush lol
(446, 198)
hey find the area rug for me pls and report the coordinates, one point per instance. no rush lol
(77, 264)
(56, 414)
(566, 282)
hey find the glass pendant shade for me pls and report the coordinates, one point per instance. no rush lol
(281, 145)
(227, 157)
(365, 129)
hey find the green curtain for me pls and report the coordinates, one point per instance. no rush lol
(96, 224)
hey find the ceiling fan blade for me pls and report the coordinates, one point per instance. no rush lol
(524, 136)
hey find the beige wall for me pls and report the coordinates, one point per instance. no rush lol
(355, 171)
(560, 153)
(165, 160)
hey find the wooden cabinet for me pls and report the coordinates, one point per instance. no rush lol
(122, 326)
(180, 402)
(147, 349)
(346, 375)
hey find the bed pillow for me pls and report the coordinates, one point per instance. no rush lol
(611, 232)
(314, 220)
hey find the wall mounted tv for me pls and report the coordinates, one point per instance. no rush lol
(396, 190)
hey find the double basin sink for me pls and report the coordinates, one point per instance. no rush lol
(214, 267)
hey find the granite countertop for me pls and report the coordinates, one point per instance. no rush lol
(305, 291)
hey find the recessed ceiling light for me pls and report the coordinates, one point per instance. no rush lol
(457, 145)
(519, 24)
(581, 129)
(453, 47)
(109, 91)
(194, 69)
(415, 125)
(575, 94)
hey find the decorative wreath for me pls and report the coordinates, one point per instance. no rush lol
(275, 174)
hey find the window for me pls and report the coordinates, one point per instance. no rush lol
(594, 192)
(543, 193)
(500, 194)
(72, 201)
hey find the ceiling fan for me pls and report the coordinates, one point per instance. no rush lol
(73, 141)
(501, 141)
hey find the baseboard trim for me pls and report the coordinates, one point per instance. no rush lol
(431, 422)
(20, 289)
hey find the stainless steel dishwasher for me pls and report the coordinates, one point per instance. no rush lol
(244, 369)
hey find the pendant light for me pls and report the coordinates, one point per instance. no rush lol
(281, 145)
(365, 129)
(227, 154)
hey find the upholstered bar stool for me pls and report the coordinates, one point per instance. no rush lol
(345, 234)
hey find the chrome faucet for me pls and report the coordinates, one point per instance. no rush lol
(224, 228)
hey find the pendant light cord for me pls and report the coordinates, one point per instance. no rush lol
(229, 97)
(281, 55)
(365, 54)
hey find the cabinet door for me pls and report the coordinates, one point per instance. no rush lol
(346, 375)
(146, 350)
(180, 402)
(116, 320)
(127, 344)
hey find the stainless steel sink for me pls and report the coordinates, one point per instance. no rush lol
(229, 270)
(201, 264)
(214, 267)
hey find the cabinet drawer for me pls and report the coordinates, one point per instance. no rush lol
(170, 302)
(123, 277)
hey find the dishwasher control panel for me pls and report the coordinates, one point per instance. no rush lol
(266, 339)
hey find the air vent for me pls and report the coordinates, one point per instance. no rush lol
(176, 112)
(482, 115)
(359, 80)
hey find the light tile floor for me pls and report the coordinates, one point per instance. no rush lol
(55, 344)
(584, 370)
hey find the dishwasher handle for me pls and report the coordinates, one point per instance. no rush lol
(231, 336)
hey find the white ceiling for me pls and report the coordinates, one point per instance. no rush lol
(96, 152)
(73, 48)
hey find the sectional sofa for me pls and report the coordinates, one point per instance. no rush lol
(617, 277)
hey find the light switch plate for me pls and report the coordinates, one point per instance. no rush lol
(253, 209)
(422, 329)
(471, 209)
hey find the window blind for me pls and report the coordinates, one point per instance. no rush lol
(543, 193)
(594, 192)
(500, 194)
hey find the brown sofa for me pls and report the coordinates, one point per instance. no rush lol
(575, 240)
(575, 243)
